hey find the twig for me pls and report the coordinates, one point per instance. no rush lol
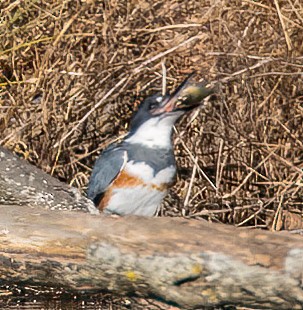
(163, 77)
(96, 106)
(240, 55)
(249, 175)
(193, 159)
(65, 28)
(250, 217)
(161, 55)
(288, 42)
(197, 194)
(258, 4)
(271, 9)
(219, 170)
(271, 93)
(255, 66)
(26, 44)
(276, 73)
(289, 132)
(286, 162)
(296, 11)
(168, 27)
(193, 175)
(277, 214)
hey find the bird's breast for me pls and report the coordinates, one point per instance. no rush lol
(138, 190)
(150, 175)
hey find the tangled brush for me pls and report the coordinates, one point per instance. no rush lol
(72, 73)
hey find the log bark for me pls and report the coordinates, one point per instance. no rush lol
(187, 263)
(22, 184)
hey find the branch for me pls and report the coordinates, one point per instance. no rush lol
(22, 184)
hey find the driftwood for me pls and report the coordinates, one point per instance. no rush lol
(24, 184)
(187, 263)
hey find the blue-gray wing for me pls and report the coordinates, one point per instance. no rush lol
(106, 168)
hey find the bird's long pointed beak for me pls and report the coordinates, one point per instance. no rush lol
(187, 96)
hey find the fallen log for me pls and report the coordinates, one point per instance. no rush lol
(23, 184)
(187, 263)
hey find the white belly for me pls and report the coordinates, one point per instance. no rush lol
(145, 199)
(139, 200)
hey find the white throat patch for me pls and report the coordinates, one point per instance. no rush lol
(155, 132)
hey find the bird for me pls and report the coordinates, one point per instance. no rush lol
(133, 176)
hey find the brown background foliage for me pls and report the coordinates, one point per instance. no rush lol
(73, 71)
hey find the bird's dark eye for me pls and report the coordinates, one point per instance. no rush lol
(153, 105)
(155, 102)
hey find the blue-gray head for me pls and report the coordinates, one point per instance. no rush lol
(153, 122)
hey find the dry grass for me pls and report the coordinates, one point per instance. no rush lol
(73, 71)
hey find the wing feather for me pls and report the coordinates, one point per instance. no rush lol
(109, 164)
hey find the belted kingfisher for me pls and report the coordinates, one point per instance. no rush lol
(133, 176)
